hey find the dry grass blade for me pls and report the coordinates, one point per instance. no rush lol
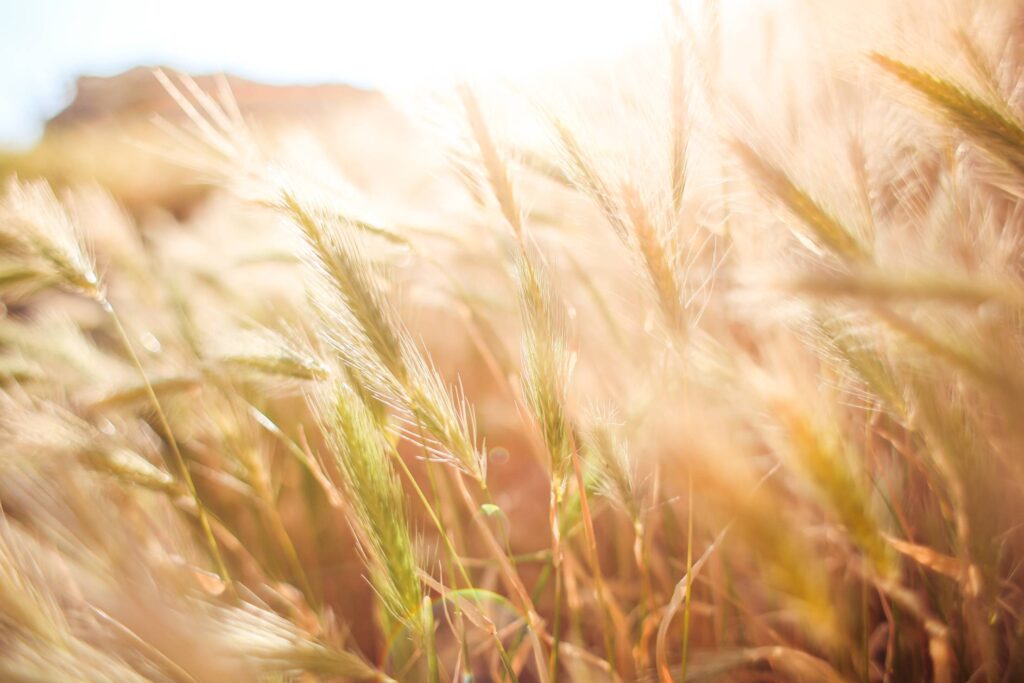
(679, 109)
(679, 597)
(277, 647)
(795, 665)
(926, 557)
(23, 278)
(880, 286)
(958, 353)
(269, 353)
(133, 396)
(819, 451)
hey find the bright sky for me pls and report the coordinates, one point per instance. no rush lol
(45, 44)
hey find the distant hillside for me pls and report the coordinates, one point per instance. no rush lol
(107, 135)
(138, 93)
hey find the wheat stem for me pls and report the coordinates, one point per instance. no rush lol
(172, 443)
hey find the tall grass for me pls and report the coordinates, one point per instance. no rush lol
(666, 379)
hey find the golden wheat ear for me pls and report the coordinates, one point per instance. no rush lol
(362, 326)
(493, 162)
(990, 125)
(611, 465)
(276, 647)
(377, 502)
(267, 352)
(657, 254)
(44, 241)
(547, 364)
(820, 223)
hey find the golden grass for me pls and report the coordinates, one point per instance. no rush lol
(664, 393)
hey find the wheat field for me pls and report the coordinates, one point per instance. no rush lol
(707, 365)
